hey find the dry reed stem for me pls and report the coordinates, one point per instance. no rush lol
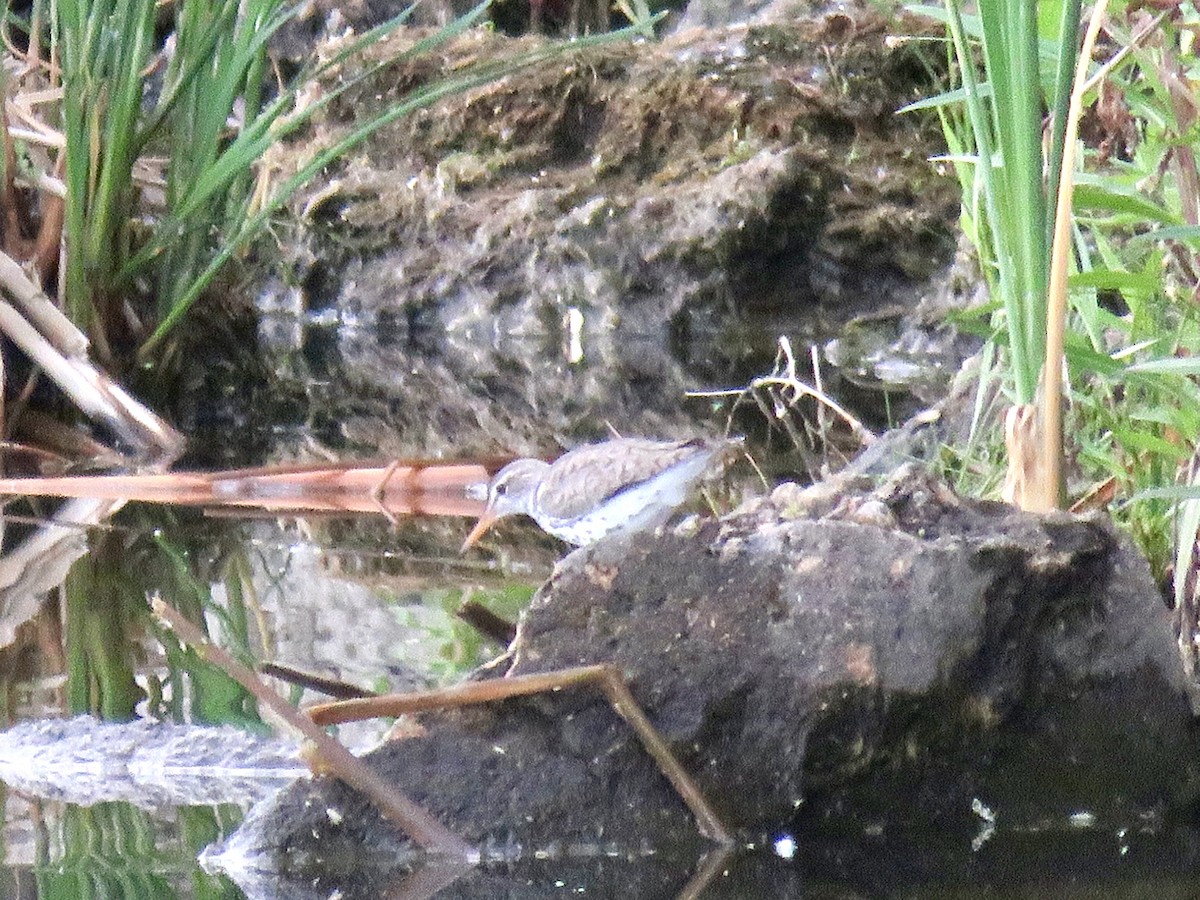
(1049, 493)
(403, 812)
(606, 677)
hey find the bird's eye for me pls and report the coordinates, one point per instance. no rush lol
(501, 489)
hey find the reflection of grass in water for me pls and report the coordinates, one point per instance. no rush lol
(179, 556)
(115, 850)
(102, 619)
(162, 553)
(460, 648)
(214, 697)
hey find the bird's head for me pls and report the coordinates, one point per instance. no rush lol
(510, 493)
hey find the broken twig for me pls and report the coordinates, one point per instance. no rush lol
(606, 677)
(410, 817)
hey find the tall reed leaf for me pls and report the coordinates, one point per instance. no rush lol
(1005, 103)
(106, 46)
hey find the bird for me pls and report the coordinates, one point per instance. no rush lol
(623, 484)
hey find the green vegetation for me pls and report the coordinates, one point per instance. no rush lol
(1005, 203)
(107, 617)
(114, 850)
(191, 119)
(1131, 324)
(211, 123)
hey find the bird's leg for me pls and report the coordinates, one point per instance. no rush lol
(605, 676)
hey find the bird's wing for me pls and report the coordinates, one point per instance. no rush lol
(586, 476)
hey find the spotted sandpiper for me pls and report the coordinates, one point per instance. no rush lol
(624, 484)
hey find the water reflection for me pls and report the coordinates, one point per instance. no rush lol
(374, 607)
(354, 600)
(110, 850)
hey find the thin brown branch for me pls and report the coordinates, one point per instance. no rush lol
(330, 687)
(402, 811)
(611, 684)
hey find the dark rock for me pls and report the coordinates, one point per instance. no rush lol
(874, 658)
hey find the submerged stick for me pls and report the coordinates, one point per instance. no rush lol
(330, 687)
(410, 817)
(611, 684)
(711, 866)
(487, 623)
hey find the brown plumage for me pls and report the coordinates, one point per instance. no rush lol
(624, 484)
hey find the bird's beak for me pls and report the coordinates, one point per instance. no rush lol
(486, 521)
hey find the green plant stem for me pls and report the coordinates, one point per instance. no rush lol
(981, 130)
(1064, 73)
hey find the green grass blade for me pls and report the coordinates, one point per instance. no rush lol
(253, 225)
